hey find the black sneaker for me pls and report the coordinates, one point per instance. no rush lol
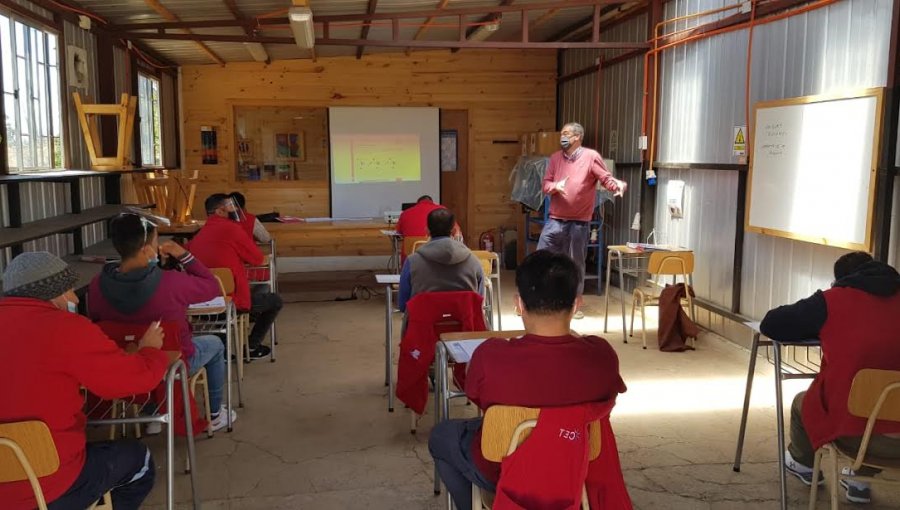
(259, 352)
(857, 492)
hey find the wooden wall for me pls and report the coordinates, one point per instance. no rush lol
(506, 92)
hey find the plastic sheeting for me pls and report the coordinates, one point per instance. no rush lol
(527, 177)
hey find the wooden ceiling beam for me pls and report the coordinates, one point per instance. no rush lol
(167, 14)
(390, 43)
(442, 4)
(493, 16)
(236, 13)
(364, 33)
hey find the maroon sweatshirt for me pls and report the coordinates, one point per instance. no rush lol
(540, 371)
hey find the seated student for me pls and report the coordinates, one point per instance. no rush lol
(857, 322)
(249, 222)
(413, 222)
(442, 264)
(137, 290)
(222, 242)
(546, 367)
(49, 354)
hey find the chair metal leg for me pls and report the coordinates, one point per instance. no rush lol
(633, 305)
(477, 504)
(643, 323)
(835, 479)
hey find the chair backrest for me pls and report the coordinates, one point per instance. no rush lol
(671, 263)
(411, 243)
(33, 439)
(226, 279)
(487, 259)
(875, 393)
(498, 432)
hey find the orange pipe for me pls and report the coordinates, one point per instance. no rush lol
(753, 22)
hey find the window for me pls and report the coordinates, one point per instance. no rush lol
(151, 129)
(31, 97)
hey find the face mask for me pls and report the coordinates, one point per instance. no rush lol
(153, 261)
(564, 142)
(233, 215)
(72, 307)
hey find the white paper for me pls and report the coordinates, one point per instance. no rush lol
(461, 350)
(218, 302)
(386, 279)
(675, 198)
(754, 325)
(390, 232)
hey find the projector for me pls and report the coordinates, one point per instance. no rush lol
(391, 217)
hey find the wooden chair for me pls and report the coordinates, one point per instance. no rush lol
(874, 395)
(490, 264)
(662, 263)
(507, 427)
(27, 452)
(242, 319)
(412, 243)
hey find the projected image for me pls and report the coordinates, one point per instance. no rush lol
(376, 158)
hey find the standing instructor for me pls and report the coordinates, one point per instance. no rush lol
(571, 182)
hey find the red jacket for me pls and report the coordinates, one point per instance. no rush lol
(414, 221)
(551, 467)
(423, 312)
(223, 243)
(862, 331)
(48, 355)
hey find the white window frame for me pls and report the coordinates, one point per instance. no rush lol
(41, 107)
(149, 110)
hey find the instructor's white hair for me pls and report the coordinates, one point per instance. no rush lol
(577, 129)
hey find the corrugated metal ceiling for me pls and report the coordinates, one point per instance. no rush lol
(188, 52)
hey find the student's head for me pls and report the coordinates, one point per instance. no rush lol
(135, 237)
(424, 198)
(440, 222)
(41, 275)
(239, 199)
(849, 263)
(219, 204)
(573, 133)
(547, 285)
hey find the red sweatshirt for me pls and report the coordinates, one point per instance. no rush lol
(584, 170)
(223, 243)
(535, 371)
(48, 355)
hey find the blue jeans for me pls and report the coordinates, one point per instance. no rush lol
(567, 237)
(450, 444)
(209, 352)
(123, 467)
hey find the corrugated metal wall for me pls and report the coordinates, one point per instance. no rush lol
(619, 123)
(83, 39)
(844, 46)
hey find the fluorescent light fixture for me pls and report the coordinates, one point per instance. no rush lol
(302, 26)
(257, 51)
(482, 32)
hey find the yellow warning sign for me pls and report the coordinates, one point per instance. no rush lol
(740, 141)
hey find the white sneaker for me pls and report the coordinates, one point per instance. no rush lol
(153, 428)
(801, 471)
(220, 419)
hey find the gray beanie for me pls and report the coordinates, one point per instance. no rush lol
(39, 275)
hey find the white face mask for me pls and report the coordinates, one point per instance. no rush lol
(71, 307)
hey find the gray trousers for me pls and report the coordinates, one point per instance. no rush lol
(568, 237)
(450, 444)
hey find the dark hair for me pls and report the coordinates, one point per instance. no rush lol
(129, 233)
(440, 222)
(849, 263)
(548, 282)
(239, 199)
(424, 197)
(214, 202)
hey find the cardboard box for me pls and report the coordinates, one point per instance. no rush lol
(547, 142)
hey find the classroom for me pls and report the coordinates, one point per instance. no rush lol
(450, 254)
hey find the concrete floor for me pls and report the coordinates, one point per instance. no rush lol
(315, 431)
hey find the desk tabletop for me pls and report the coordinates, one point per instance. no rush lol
(387, 279)
(627, 250)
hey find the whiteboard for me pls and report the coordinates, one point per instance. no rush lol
(812, 172)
